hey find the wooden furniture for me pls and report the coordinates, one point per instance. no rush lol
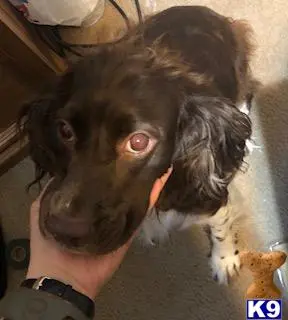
(26, 66)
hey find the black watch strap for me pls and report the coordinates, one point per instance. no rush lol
(66, 292)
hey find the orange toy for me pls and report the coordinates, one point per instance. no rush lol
(262, 265)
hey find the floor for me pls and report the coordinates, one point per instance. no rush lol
(173, 280)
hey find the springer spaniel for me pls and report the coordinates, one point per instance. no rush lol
(169, 92)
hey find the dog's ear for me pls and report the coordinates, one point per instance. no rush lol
(38, 121)
(212, 137)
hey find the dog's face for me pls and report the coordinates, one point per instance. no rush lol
(113, 126)
(106, 135)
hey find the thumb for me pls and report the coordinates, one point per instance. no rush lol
(35, 207)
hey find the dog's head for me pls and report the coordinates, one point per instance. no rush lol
(109, 131)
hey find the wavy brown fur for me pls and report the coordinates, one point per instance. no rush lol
(179, 77)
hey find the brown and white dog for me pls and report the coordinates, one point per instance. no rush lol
(168, 93)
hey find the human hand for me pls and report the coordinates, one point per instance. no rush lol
(85, 273)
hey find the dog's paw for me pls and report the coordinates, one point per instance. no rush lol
(224, 268)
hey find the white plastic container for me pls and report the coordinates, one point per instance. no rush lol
(61, 12)
(150, 6)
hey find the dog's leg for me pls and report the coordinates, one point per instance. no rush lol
(225, 261)
(156, 227)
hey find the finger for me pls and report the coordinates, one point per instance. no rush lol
(121, 252)
(40, 197)
(158, 186)
(166, 176)
(35, 207)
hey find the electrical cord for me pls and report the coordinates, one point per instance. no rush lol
(139, 12)
(121, 12)
(44, 33)
(52, 37)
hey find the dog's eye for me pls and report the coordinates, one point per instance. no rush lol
(138, 142)
(65, 131)
(137, 145)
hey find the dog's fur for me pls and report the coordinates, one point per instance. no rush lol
(179, 78)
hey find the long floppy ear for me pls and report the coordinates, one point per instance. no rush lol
(37, 120)
(213, 136)
(211, 146)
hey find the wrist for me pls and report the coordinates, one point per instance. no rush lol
(88, 289)
(62, 291)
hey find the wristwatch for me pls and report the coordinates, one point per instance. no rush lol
(65, 291)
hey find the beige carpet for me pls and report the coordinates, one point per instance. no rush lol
(173, 281)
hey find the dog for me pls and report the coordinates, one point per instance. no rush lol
(174, 90)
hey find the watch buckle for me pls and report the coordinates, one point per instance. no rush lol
(39, 282)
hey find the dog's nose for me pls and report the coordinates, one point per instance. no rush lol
(65, 222)
(60, 204)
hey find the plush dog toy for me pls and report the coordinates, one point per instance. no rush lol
(262, 265)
